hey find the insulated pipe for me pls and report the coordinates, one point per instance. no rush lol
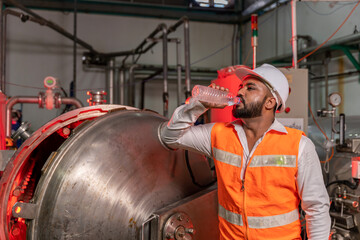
(165, 70)
(294, 33)
(26, 99)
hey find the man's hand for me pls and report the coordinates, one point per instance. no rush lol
(215, 105)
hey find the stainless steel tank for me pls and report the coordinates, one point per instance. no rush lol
(100, 182)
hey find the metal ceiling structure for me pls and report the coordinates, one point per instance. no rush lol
(239, 11)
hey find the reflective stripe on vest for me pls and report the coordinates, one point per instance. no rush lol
(226, 157)
(230, 217)
(273, 161)
(273, 221)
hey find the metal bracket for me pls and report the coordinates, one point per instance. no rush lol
(24, 210)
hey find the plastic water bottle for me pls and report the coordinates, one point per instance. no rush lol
(212, 95)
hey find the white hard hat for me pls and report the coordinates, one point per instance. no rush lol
(273, 78)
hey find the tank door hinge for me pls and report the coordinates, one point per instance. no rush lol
(24, 210)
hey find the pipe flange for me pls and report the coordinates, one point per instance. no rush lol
(41, 99)
(57, 98)
(178, 227)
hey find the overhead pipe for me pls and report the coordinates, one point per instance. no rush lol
(3, 22)
(39, 100)
(52, 25)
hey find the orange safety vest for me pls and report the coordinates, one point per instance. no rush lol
(264, 205)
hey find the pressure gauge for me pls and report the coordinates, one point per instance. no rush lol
(334, 99)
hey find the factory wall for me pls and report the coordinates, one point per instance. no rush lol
(318, 20)
(34, 52)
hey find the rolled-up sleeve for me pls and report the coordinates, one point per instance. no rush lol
(180, 131)
(314, 196)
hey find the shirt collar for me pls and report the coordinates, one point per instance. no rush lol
(276, 126)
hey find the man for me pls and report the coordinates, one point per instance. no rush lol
(263, 169)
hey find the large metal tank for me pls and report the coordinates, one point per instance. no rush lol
(103, 181)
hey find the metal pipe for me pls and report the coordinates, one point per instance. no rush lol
(342, 129)
(326, 72)
(131, 87)
(122, 87)
(110, 82)
(31, 99)
(165, 70)
(143, 82)
(294, 33)
(9, 105)
(178, 65)
(187, 57)
(52, 25)
(233, 45)
(71, 101)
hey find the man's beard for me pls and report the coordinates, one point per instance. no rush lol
(251, 110)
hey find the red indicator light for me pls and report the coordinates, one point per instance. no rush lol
(287, 110)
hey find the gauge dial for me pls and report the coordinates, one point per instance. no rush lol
(334, 99)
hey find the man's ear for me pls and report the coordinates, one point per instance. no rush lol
(270, 103)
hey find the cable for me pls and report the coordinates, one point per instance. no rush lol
(192, 174)
(345, 182)
(212, 54)
(307, 55)
(326, 14)
(248, 55)
(332, 149)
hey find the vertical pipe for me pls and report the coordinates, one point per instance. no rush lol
(131, 85)
(233, 45)
(294, 33)
(178, 65)
(111, 69)
(122, 87)
(342, 129)
(187, 57)
(165, 70)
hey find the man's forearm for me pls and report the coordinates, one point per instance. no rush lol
(180, 133)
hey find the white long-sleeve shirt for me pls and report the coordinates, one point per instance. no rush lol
(180, 132)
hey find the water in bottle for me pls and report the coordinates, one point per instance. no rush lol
(212, 95)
